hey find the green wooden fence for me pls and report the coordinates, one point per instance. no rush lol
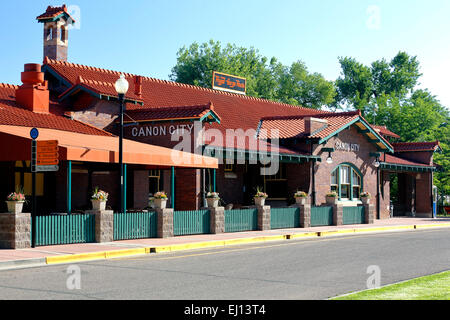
(64, 229)
(354, 215)
(284, 218)
(136, 225)
(241, 220)
(321, 216)
(191, 222)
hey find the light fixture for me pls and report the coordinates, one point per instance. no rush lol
(329, 158)
(121, 85)
(376, 163)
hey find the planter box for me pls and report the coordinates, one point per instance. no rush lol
(15, 206)
(260, 201)
(160, 203)
(365, 200)
(332, 200)
(300, 200)
(98, 205)
(212, 202)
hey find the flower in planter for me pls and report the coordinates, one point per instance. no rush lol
(260, 194)
(332, 194)
(300, 194)
(16, 196)
(212, 195)
(99, 195)
(160, 195)
(365, 195)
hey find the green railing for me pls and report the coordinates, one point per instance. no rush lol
(353, 215)
(64, 229)
(136, 225)
(284, 218)
(191, 222)
(321, 216)
(241, 220)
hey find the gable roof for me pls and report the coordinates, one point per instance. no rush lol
(417, 146)
(294, 127)
(235, 110)
(53, 13)
(15, 115)
(385, 131)
(197, 112)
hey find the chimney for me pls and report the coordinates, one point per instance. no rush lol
(33, 94)
(314, 125)
(138, 85)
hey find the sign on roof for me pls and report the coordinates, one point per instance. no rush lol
(229, 83)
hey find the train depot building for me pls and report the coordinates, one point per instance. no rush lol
(277, 147)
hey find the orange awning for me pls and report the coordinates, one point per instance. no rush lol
(15, 144)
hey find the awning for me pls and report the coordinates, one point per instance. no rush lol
(15, 144)
(396, 164)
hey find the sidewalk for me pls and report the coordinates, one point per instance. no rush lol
(73, 253)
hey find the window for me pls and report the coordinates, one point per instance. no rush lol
(23, 179)
(154, 181)
(346, 182)
(228, 167)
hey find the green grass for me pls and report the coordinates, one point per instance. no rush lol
(433, 287)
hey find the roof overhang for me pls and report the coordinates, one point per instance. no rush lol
(407, 168)
(103, 149)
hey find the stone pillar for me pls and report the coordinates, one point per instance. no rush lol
(305, 215)
(263, 218)
(15, 230)
(104, 225)
(165, 223)
(217, 218)
(338, 214)
(369, 212)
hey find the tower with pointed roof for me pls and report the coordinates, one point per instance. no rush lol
(56, 22)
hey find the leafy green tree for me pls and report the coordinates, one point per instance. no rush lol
(267, 79)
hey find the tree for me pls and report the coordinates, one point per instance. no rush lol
(267, 79)
(360, 86)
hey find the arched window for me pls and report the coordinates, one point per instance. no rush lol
(346, 181)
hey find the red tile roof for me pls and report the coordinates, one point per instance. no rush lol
(385, 131)
(294, 126)
(235, 110)
(13, 114)
(416, 146)
(52, 12)
(396, 160)
(169, 113)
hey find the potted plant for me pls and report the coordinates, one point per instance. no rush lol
(365, 197)
(160, 199)
(15, 201)
(212, 198)
(332, 197)
(300, 197)
(98, 199)
(260, 197)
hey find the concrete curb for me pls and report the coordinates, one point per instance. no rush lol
(93, 256)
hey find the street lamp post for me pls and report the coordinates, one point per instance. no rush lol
(121, 86)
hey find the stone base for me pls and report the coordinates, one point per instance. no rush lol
(104, 225)
(263, 218)
(369, 212)
(338, 214)
(305, 215)
(165, 223)
(15, 230)
(217, 218)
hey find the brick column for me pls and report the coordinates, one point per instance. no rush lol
(165, 223)
(305, 215)
(263, 218)
(369, 212)
(15, 230)
(104, 225)
(338, 214)
(217, 220)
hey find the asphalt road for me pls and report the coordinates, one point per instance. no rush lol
(304, 269)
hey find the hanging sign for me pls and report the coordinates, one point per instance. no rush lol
(226, 82)
(44, 156)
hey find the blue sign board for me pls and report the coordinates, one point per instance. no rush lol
(34, 133)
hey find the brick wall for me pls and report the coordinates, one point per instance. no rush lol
(187, 190)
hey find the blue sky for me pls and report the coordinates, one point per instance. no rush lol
(143, 36)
